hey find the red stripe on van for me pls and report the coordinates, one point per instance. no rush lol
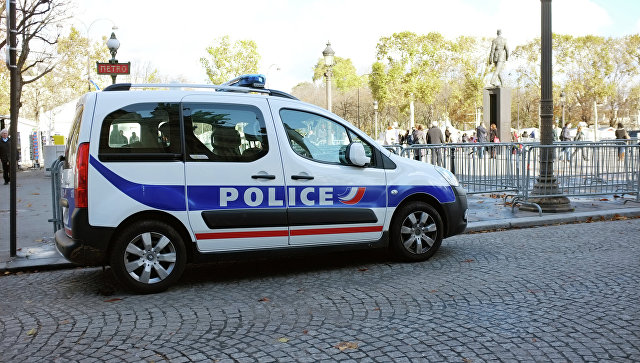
(309, 232)
(242, 234)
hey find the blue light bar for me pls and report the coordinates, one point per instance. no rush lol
(248, 80)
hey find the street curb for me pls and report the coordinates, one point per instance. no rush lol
(26, 264)
(546, 219)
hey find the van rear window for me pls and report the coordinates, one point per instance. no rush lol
(74, 134)
(141, 131)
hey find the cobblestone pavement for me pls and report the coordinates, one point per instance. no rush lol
(564, 293)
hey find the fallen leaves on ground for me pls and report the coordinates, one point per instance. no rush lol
(363, 269)
(283, 340)
(264, 299)
(346, 345)
(604, 200)
(468, 260)
(113, 300)
(35, 193)
(33, 331)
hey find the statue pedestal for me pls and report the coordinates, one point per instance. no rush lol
(496, 109)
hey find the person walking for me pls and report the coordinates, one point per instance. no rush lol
(435, 137)
(418, 138)
(565, 135)
(580, 137)
(5, 155)
(621, 134)
(493, 137)
(481, 137)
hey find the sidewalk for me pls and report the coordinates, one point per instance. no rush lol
(36, 250)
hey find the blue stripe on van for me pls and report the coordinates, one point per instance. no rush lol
(443, 193)
(165, 197)
(172, 197)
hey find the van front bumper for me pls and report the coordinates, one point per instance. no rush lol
(456, 213)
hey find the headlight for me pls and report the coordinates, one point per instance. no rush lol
(448, 176)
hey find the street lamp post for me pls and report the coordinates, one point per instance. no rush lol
(113, 44)
(562, 100)
(546, 191)
(88, 29)
(328, 54)
(375, 118)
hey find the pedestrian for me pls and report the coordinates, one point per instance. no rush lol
(5, 155)
(493, 137)
(419, 138)
(410, 139)
(465, 138)
(404, 138)
(434, 137)
(580, 137)
(481, 136)
(447, 135)
(565, 135)
(621, 134)
(390, 136)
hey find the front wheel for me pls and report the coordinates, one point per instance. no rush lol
(416, 232)
(148, 257)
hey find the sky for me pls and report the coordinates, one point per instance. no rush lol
(291, 34)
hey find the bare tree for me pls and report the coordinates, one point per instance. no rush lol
(37, 35)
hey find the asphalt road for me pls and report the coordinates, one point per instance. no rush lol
(566, 293)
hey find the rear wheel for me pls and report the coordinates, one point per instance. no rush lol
(148, 257)
(416, 232)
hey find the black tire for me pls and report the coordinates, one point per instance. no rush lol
(148, 257)
(416, 232)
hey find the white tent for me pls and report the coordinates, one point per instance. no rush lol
(58, 121)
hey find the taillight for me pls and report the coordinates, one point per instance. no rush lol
(82, 175)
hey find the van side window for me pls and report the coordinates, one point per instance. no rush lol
(141, 131)
(224, 132)
(316, 137)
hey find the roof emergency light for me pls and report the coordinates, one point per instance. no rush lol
(248, 80)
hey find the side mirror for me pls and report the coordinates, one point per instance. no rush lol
(354, 154)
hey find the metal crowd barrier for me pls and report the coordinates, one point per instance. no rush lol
(480, 167)
(580, 168)
(56, 190)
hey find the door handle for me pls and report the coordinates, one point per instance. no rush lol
(301, 177)
(263, 176)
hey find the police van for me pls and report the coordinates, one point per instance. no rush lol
(156, 176)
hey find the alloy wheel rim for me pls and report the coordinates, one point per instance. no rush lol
(418, 232)
(150, 257)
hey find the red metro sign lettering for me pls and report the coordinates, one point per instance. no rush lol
(114, 68)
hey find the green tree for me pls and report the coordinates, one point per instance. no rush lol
(226, 60)
(344, 74)
(409, 66)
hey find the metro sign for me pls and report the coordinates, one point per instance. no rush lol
(114, 68)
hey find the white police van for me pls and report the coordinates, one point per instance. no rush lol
(159, 175)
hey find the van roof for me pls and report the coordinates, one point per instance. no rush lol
(183, 86)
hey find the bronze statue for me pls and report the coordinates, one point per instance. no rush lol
(499, 55)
